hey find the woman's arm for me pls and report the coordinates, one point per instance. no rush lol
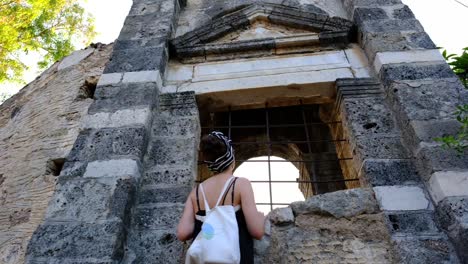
(255, 219)
(187, 221)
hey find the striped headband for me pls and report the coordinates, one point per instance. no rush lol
(223, 162)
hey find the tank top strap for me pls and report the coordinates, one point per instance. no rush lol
(227, 191)
(198, 200)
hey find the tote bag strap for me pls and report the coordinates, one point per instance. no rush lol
(207, 207)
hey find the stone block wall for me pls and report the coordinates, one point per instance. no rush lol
(422, 93)
(38, 127)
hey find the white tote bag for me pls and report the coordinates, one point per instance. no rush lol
(218, 240)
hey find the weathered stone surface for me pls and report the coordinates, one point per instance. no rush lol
(367, 116)
(453, 215)
(60, 240)
(178, 127)
(183, 175)
(364, 14)
(403, 13)
(164, 194)
(339, 204)
(391, 25)
(133, 60)
(415, 71)
(109, 143)
(401, 198)
(121, 168)
(281, 216)
(45, 128)
(444, 184)
(426, 99)
(73, 169)
(433, 157)
(154, 247)
(322, 239)
(379, 147)
(120, 118)
(395, 41)
(423, 250)
(157, 217)
(129, 95)
(379, 172)
(90, 200)
(170, 151)
(420, 223)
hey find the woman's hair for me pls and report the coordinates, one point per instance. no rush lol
(212, 147)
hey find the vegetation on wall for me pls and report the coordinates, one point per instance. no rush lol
(51, 28)
(459, 64)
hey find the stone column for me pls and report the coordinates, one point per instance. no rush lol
(88, 215)
(385, 164)
(170, 170)
(423, 93)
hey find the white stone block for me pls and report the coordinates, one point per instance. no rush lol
(396, 198)
(179, 73)
(448, 183)
(142, 76)
(356, 57)
(112, 168)
(110, 78)
(409, 56)
(126, 117)
(75, 58)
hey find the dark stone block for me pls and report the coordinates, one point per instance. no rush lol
(155, 247)
(379, 147)
(364, 14)
(79, 240)
(73, 169)
(170, 175)
(109, 143)
(164, 195)
(424, 250)
(159, 24)
(421, 40)
(178, 104)
(157, 217)
(140, 43)
(91, 200)
(389, 172)
(367, 116)
(403, 13)
(391, 25)
(420, 223)
(181, 127)
(423, 99)
(436, 158)
(70, 261)
(427, 131)
(127, 95)
(138, 59)
(174, 152)
(415, 71)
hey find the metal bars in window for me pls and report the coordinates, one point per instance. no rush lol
(296, 129)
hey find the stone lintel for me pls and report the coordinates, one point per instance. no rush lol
(401, 198)
(445, 184)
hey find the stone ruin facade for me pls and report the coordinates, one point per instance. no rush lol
(98, 154)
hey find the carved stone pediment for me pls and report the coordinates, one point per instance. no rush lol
(262, 28)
